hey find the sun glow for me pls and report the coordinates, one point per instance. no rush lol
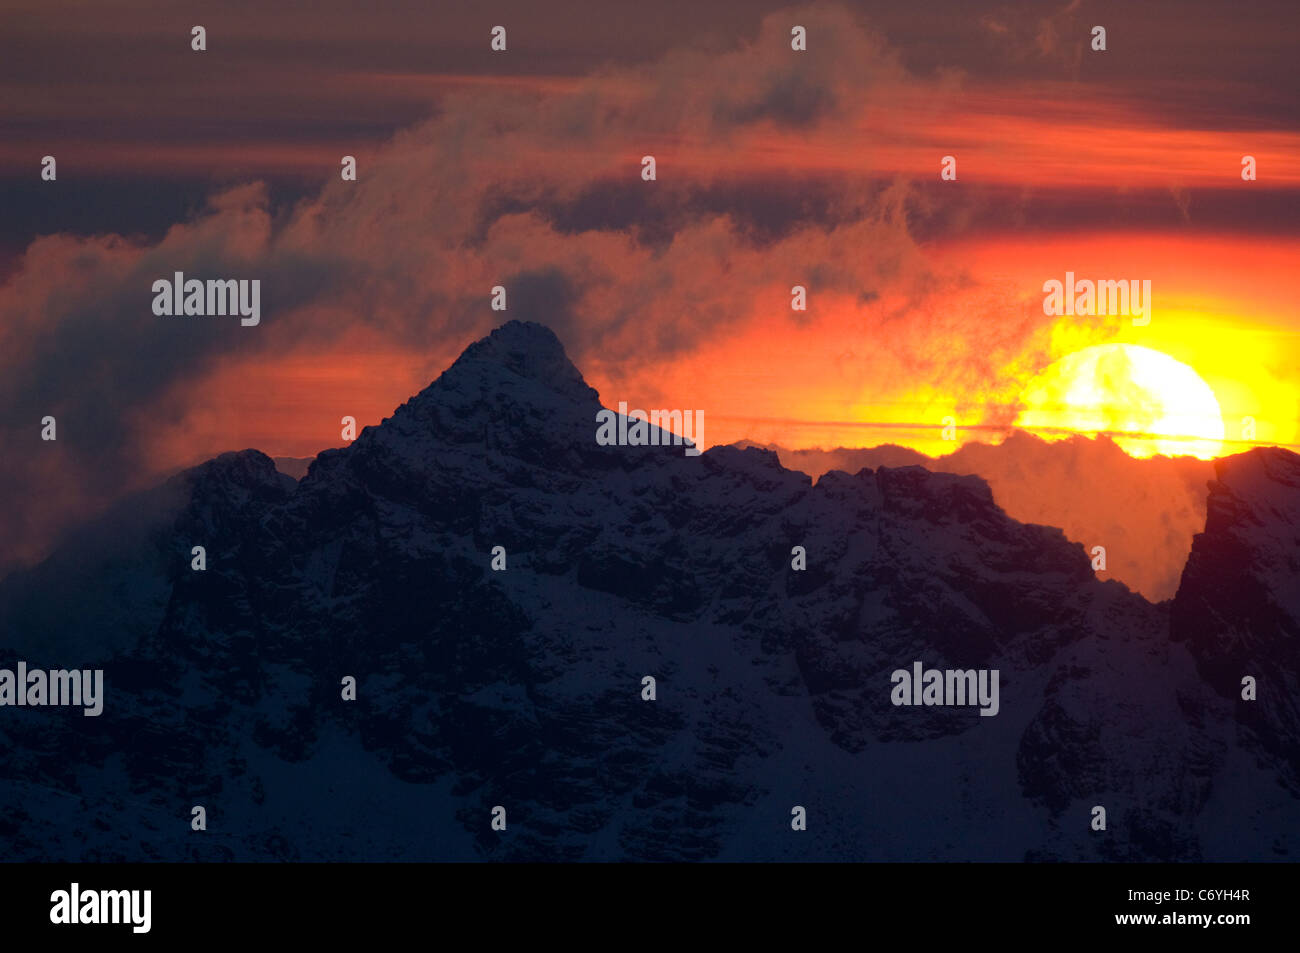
(1145, 400)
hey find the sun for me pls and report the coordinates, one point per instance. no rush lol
(1145, 400)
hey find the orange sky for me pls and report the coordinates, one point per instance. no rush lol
(856, 373)
(1222, 298)
(1220, 305)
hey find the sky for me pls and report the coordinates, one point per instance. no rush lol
(522, 168)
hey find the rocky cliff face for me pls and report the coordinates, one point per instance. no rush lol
(1238, 607)
(523, 688)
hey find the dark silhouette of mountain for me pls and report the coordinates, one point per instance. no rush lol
(1238, 606)
(1144, 512)
(523, 688)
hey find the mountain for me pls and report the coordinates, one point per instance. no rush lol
(1238, 609)
(1143, 512)
(523, 688)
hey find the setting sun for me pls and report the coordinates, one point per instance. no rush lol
(1145, 400)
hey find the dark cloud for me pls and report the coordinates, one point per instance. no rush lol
(546, 296)
(790, 98)
(763, 208)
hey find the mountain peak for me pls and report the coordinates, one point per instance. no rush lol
(530, 351)
(1259, 467)
(514, 391)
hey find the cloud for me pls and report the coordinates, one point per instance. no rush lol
(774, 167)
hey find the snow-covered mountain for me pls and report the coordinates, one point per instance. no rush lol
(523, 688)
(1238, 612)
(1144, 512)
